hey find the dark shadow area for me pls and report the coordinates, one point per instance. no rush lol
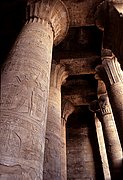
(82, 142)
(12, 15)
(80, 41)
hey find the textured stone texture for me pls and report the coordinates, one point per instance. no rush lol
(102, 149)
(113, 146)
(63, 151)
(115, 93)
(82, 11)
(80, 90)
(66, 109)
(80, 52)
(25, 89)
(77, 66)
(112, 74)
(53, 11)
(53, 143)
(81, 149)
(24, 92)
(79, 155)
(52, 158)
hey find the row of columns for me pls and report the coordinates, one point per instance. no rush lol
(109, 110)
(31, 121)
(112, 75)
(56, 169)
(103, 112)
(110, 105)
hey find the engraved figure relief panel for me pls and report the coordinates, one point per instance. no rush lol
(27, 94)
(20, 138)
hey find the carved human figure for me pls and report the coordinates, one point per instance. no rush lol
(25, 83)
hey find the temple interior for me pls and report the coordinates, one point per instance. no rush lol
(61, 90)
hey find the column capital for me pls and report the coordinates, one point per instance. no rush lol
(66, 109)
(101, 106)
(58, 75)
(54, 12)
(104, 105)
(110, 71)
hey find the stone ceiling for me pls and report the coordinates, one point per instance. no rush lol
(82, 12)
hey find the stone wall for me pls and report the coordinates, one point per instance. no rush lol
(83, 158)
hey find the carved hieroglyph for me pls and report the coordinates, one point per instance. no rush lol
(24, 91)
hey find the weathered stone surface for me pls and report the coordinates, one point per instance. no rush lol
(102, 149)
(53, 11)
(111, 137)
(24, 92)
(80, 91)
(101, 87)
(52, 156)
(82, 11)
(66, 109)
(78, 66)
(79, 155)
(79, 52)
(81, 149)
(53, 143)
(112, 74)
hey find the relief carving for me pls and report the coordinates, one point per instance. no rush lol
(48, 11)
(112, 67)
(26, 95)
(104, 104)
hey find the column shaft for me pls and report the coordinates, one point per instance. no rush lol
(53, 146)
(102, 149)
(112, 74)
(67, 108)
(52, 158)
(63, 151)
(115, 93)
(24, 94)
(25, 88)
(113, 146)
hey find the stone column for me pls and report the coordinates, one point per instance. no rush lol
(111, 73)
(52, 157)
(67, 109)
(25, 88)
(102, 149)
(94, 107)
(113, 146)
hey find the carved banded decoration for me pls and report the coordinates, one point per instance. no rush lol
(58, 75)
(52, 12)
